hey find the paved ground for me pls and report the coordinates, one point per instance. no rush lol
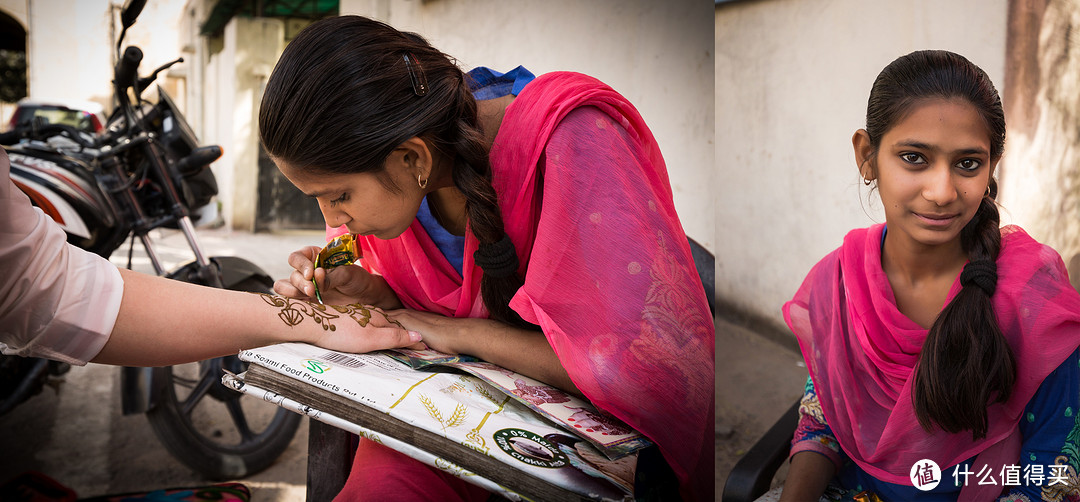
(74, 432)
(756, 381)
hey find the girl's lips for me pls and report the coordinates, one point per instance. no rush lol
(936, 220)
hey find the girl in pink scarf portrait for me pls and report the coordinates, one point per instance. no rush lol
(527, 221)
(942, 348)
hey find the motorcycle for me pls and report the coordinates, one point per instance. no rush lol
(145, 171)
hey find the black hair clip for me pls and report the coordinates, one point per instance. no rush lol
(416, 75)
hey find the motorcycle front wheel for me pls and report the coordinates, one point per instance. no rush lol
(214, 430)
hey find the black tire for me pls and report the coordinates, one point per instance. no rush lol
(194, 431)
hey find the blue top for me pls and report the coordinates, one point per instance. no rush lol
(485, 83)
(1049, 453)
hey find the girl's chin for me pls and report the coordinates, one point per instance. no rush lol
(936, 238)
(386, 235)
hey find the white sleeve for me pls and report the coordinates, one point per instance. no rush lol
(56, 301)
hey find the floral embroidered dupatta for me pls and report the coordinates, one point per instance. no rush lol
(608, 271)
(861, 353)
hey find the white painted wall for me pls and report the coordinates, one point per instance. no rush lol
(71, 45)
(252, 46)
(657, 54)
(792, 80)
(64, 62)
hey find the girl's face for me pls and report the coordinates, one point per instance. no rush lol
(362, 201)
(932, 170)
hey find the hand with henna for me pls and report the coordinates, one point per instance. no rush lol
(164, 322)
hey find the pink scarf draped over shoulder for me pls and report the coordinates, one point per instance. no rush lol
(607, 268)
(861, 352)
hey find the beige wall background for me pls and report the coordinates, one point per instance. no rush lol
(71, 44)
(792, 80)
(1040, 177)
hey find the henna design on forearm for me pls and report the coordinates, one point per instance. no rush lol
(362, 313)
(293, 311)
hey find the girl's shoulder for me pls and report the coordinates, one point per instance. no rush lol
(1015, 237)
(1024, 258)
(1033, 289)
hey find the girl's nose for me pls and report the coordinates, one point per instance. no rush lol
(938, 186)
(334, 217)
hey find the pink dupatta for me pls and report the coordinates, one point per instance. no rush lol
(608, 271)
(861, 353)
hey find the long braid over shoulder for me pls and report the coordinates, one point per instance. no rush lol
(965, 363)
(348, 90)
(472, 176)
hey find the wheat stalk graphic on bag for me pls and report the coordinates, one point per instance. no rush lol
(457, 418)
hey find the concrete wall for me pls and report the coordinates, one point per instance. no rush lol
(66, 63)
(251, 47)
(71, 45)
(657, 54)
(792, 80)
(1040, 175)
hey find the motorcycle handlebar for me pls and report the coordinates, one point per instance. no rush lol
(127, 67)
(198, 159)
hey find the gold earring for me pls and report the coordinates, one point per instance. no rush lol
(420, 181)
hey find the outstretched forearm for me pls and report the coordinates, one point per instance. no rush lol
(163, 322)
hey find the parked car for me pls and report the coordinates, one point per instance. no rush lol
(83, 115)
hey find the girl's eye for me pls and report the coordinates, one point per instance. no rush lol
(344, 197)
(912, 158)
(968, 164)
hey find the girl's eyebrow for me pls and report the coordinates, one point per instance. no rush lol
(316, 195)
(915, 144)
(923, 146)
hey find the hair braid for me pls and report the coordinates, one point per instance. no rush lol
(966, 362)
(472, 176)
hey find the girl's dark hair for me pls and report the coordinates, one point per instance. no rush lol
(966, 363)
(349, 90)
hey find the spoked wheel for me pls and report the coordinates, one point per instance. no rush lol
(214, 430)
